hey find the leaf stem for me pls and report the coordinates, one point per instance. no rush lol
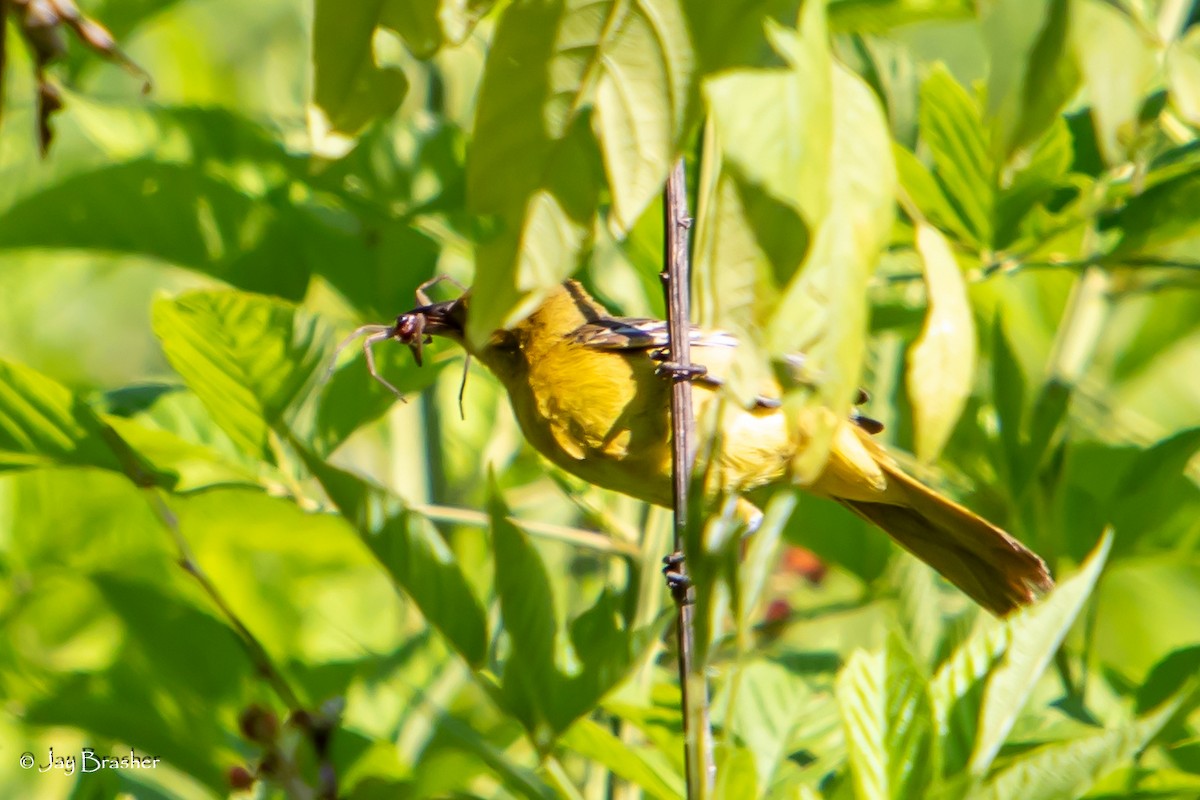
(546, 530)
(258, 653)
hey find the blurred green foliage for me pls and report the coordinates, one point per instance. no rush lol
(212, 553)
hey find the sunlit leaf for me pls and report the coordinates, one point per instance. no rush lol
(889, 725)
(644, 97)
(594, 742)
(41, 425)
(878, 16)
(924, 190)
(1070, 768)
(173, 657)
(1036, 633)
(1116, 86)
(534, 168)
(772, 704)
(1033, 72)
(413, 552)
(823, 311)
(941, 366)
(1183, 75)
(735, 774)
(950, 125)
(350, 87)
(248, 358)
(1160, 220)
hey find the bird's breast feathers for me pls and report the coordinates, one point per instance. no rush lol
(594, 404)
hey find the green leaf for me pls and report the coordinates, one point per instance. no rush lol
(533, 170)
(1116, 86)
(631, 763)
(644, 100)
(1183, 75)
(248, 358)
(823, 311)
(350, 606)
(1071, 768)
(351, 397)
(735, 774)
(761, 554)
(520, 779)
(414, 554)
(1034, 182)
(957, 691)
(770, 704)
(200, 188)
(951, 127)
(428, 25)
(1036, 633)
(1008, 397)
(889, 724)
(919, 608)
(1033, 72)
(923, 189)
(880, 16)
(184, 465)
(775, 127)
(169, 656)
(522, 583)
(765, 186)
(417, 23)
(545, 684)
(1161, 220)
(350, 88)
(941, 365)
(1153, 485)
(42, 425)
(731, 281)
(1168, 677)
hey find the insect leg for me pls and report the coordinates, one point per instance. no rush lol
(423, 298)
(381, 336)
(349, 340)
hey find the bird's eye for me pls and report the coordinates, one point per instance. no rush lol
(504, 341)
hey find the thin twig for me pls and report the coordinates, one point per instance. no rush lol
(697, 736)
(547, 530)
(318, 735)
(254, 648)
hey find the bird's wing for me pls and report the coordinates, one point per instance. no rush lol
(651, 335)
(632, 333)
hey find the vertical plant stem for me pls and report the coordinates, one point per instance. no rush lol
(676, 233)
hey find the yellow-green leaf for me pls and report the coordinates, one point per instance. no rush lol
(941, 366)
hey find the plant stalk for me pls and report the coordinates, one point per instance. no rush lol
(698, 756)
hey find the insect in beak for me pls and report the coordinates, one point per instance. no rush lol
(411, 328)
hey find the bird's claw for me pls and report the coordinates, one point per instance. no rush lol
(677, 578)
(689, 372)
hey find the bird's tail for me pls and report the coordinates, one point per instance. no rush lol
(991, 567)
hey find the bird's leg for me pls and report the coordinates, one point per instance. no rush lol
(677, 371)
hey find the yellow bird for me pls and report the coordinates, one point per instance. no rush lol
(586, 391)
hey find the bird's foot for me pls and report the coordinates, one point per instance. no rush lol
(681, 372)
(677, 578)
